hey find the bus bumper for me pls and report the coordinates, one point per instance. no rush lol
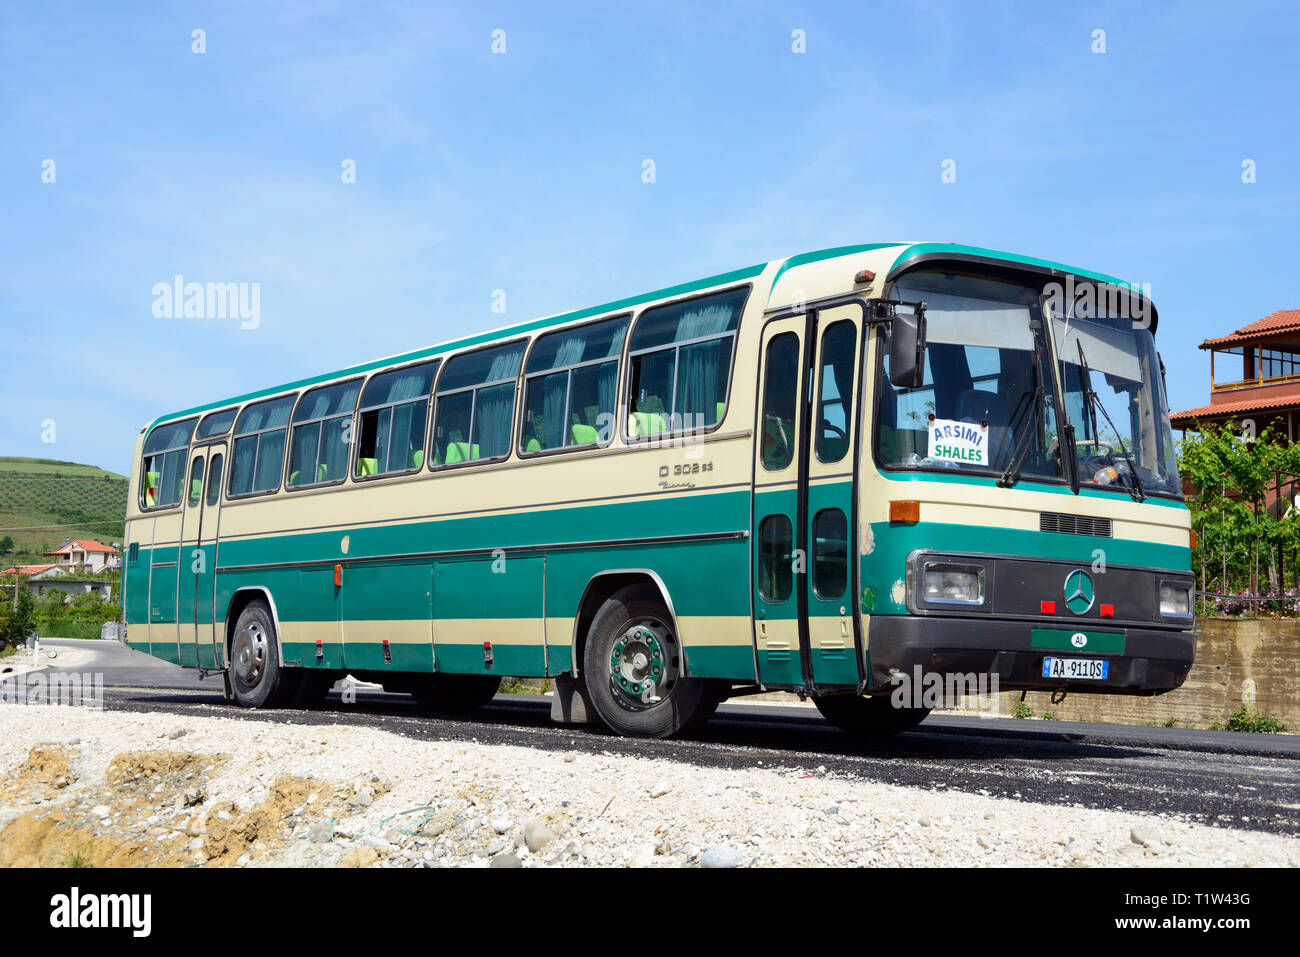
(1153, 660)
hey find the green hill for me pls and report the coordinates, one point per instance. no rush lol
(79, 501)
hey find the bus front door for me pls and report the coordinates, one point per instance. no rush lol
(804, 518)
(776, 565)
(829, 520)
(197, 640)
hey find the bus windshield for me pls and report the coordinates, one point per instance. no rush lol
(1128, 426)
(987, 397)
(987, 403)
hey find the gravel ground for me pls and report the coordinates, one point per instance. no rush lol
(109, 788)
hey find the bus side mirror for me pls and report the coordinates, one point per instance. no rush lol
(907, 348)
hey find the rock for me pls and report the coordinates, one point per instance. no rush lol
(505, 859)
(243, 860)
(1146, 836)
(537, 835)
(643, 856)
(362, 856)
(377, 842)
(178, 733)
(1079, 849)
(660, 788)
(100, 810)
(363, 798)
(720, 857)
(501, 824)
(833, 809)
(924, 821)
(569, 758)
(322, 832)
(196, 844)
(193, 796)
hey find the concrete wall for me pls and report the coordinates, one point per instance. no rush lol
(1233, 657)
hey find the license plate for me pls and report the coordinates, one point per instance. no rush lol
(1086, 669)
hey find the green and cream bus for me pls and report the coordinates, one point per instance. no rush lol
(822, 474)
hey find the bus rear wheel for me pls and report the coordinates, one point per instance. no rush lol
(256, 677)
(874, 717)
(632, 666)
(455, 693)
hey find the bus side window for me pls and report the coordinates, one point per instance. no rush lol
(775, 547)
(474, 410)
(162, 476)
(394, 410)
(780, 395)
(571, 385)
(680, 357)
(259, 446)
(196, 482)
(214, 480)
(835, 403)
(318, 453)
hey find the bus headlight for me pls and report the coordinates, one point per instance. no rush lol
(1175, 600)
(955, 583)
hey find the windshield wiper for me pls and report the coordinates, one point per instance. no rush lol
(1011, 474)
(1093, 403)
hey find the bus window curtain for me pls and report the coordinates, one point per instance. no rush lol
(606, 389)
(701, 371)
(555, 390)
(493, 410)
(708, 321)
(245, 453)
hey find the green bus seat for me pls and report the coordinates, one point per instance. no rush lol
(583, 434)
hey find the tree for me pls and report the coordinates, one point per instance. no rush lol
(6, 545)
(17, 614)
(1232, 477)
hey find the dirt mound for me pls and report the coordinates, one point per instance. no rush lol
(48, 768)
(50, 840)
(156, 778)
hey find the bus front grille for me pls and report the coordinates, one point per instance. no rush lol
(1074, 524)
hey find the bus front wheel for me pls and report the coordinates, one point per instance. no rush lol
(632, 666)
(874, 717)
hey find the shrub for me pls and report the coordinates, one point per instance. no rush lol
(1250, 720)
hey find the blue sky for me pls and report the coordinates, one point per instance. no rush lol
(521, 171)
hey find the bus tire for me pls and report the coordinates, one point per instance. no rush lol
(256, 677)
(455, 693)
(632, 667)
(873, 717)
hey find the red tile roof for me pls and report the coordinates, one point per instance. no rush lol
(1282, 322)
(1182, 419)
(86, 545)
(26, 570)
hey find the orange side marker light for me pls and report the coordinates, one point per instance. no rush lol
(907, 511)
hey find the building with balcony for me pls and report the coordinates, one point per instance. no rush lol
(1254, 376)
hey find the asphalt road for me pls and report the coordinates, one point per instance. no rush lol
(1220, 778)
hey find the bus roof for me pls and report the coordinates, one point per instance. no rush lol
(907, 253)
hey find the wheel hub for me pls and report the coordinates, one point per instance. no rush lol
(638, 662)
(249, 654)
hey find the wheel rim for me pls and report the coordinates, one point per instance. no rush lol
(643, 664)
(249, 654)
